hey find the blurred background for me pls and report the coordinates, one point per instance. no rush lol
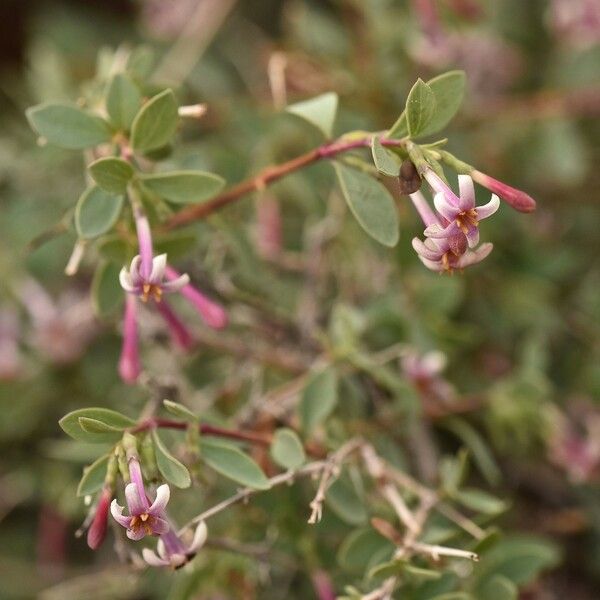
(520, 332)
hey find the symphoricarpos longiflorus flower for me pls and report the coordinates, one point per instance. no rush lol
(171, 551)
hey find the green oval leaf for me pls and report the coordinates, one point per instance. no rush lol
(107, 293)
(155, 123)
(234, 464)
(318, 399)
(71, 426)
(94, 426)
(343, 498)
(184, 187)
(370, 203)
(480, 501)
(386, 162)
(68, 126)
(499, 588)
(449, 91)
(96, 212)
(319, 112)
(420, 108)
(171, 469)
(123, 101)
(363, 548)
(93, 476)
(287, 450)
(179, 410)
(111, 174)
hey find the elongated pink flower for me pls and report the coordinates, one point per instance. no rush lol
(149, 278)
(171, 550)
(460, 213)
(518, 199)
(144, 518)
(129, 362)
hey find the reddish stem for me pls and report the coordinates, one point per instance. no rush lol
(268, 175)
(205, 429)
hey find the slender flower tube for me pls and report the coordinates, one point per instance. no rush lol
(129, 362)
(144, 518)
(97, 531)
(171, 550)
(212, 313)
(460, 212)
(427, 215)
(179, 332)
(518, 199)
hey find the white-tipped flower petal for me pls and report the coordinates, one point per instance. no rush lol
(163, 493)
(467, 192)
(487, 210)
(153, 560)
(158, 269)
(200, 536)
(116, 510)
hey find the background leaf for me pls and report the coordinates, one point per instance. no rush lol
(171, 469)
(184, 187)
(234, 464)
(123, 101)
(68, 126)
(319, 111)
(96, 212)
(111, 174)
(318, 399)
(93, 476)
(155, 123)
(370, 203)
(286, 449)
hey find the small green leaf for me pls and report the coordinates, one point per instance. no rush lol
(420, 108)
(123, 101)
(68, 126)
(343, 498)
(107, 293)
(93, 476)
(449, 91)
(286, 449)
(318, 399)
(319, 111)
(71, 426)
(385, 161)
(499, 588)
(370, 203)
(111, 174)
(176, 243)
(96, 212)
(171, 469)
(184, 187)
(95, 426)
(179, 410)
(155, 123)
(363, 548)
(234, 464)
(115, 249)
(480, 501)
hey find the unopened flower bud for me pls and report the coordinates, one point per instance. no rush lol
(409, 178)
(97, 531)
(518, 199)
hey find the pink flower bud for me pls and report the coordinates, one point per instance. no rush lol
(518, 199)
(129, 362)
(97, 531)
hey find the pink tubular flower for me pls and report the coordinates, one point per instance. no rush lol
(144, 518)
(460, 213)
(97, 531)
(129, 362)
(210, 312)
(518, 199)
(172, 552)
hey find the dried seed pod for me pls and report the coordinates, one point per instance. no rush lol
(410, 180)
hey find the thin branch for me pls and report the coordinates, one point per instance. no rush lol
(270, 174)
(330, 471)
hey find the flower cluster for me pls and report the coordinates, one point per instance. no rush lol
(146, 519)
(149, 278)
(452, 232)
